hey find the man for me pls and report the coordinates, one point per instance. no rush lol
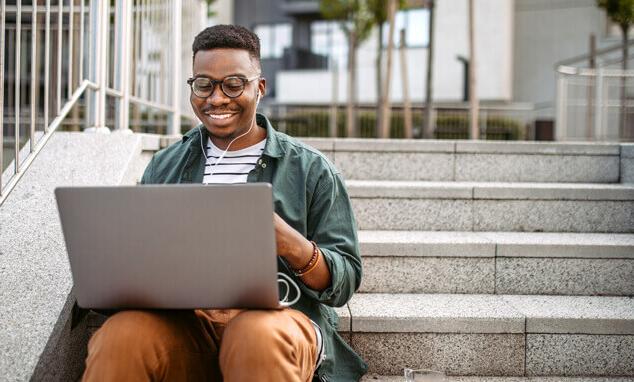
(315, 235)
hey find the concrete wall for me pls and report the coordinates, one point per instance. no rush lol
(548, 31)
(494, 39)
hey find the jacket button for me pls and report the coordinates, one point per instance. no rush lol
(263, 165)
(259, 161)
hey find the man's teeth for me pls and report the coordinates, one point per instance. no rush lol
(219, 116)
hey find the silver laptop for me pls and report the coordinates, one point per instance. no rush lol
(171, 246)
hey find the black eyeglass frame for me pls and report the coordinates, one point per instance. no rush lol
(213, 83)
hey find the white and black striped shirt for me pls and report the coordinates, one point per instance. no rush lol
(234, 167)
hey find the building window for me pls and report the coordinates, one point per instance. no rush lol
(416, 24)
(274, 38)
(328, 39)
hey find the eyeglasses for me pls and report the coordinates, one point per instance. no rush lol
(232, 86)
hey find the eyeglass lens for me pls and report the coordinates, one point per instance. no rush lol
(231, 86)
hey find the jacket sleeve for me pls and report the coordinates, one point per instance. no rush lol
(332, 226)
(148, 174)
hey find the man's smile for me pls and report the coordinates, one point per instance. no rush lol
(219, 116)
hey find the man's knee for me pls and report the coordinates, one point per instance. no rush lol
(257, 323)
(259, 329)
(275, 345)
(139, 329)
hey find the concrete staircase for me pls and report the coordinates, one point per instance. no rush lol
(492, 259)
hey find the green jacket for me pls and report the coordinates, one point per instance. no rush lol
(309, 194)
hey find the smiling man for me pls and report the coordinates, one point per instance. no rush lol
(315, 234)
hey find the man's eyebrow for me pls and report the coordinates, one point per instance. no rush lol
(228, 75)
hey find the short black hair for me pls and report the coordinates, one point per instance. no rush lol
(228, 36)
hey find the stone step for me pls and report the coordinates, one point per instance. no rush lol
(475, 206)
(497, 262)
(492, 335)
(392, 378)
(445, 160)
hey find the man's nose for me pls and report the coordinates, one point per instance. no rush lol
(217, 96)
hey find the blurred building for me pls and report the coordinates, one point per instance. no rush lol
(518, 41)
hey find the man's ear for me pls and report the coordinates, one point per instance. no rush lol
(262, 87)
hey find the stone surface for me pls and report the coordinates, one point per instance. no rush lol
(489, 190)
(428, 275)
(344, 319)
(575, 314)
(511, 167)
(321, 144)
(627, 150)
(553, 216)
(413, 214)
(409, 189)
(564, 276)
(393, 145)
(426, 244)
(552, 191)
(494, 215)
(455, 354)
(491, 244)
(399, 378)
(568, 355)
(627, 170)
(437, 313)
(529, 147)
(395, 166)
(547, 244)
(34, 275)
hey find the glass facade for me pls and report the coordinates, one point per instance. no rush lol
(274, 38)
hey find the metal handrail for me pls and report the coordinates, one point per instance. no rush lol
(37, 147)
(586, 56)
(132, 48)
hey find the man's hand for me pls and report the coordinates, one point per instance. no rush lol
(291, 245)
(297, 251)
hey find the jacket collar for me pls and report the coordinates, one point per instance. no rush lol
(272, 148)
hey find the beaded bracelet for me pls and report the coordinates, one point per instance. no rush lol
(312, 263)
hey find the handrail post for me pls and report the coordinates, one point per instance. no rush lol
(560, 127)
(599, 126)
(174, 127)
(100, 20)
(3, 15)
(122, 69)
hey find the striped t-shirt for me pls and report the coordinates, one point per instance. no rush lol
(234, 166)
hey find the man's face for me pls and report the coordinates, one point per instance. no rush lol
(226, 118)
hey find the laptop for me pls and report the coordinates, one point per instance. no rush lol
(171, 246)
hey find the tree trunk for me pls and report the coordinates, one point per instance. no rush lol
(385, 105)
(407, 105)
(473, 96)
(352, 84)
(623, 133)
(379, 79)
(428, 129)
(590, 91)
(334, 102)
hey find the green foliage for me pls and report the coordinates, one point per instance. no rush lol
(378, 8)
(355, 16)
(497, 128)
(314, 123)
(210, 11)
(620, 11)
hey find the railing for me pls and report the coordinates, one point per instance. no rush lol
(597, 103)
(104, 64)
(511, 122)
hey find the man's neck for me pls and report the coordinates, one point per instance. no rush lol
(257, 134)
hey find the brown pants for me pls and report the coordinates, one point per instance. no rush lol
(203, 345)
